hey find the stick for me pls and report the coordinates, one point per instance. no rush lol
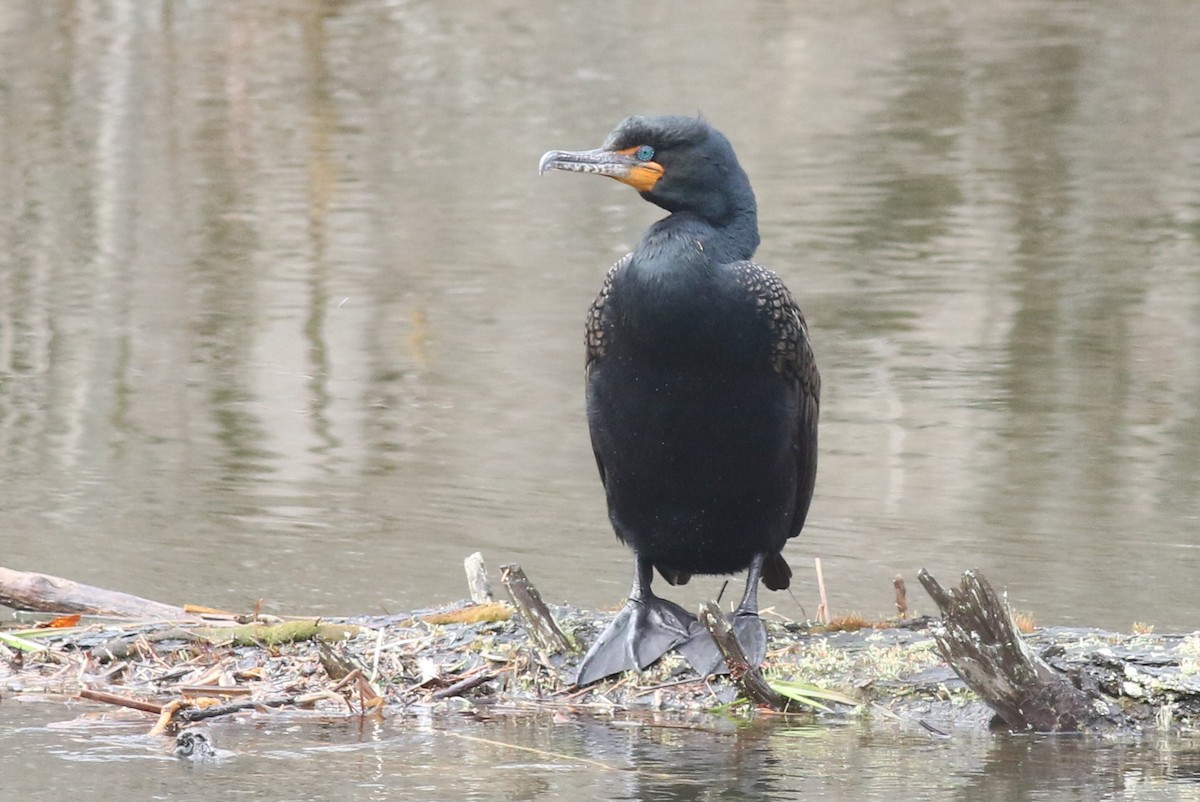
(120, 701)
(539, 621)
(463, 685)
(22, 590)
(194, 714)
(747, 676)
(823, 614)
(477, 579)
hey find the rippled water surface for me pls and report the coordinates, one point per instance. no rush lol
(286, 313)
(508, 758)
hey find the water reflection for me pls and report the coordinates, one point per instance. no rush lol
(531, 758)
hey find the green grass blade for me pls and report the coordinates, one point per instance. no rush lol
(810, 695)
(21, 644)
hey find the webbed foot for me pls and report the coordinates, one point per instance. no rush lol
(702, 652)
(643, 631)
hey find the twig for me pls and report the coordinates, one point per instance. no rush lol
(120, 701)
(375, 659)
(198, 714)
(346, 680)
(823, 614)
(463, 685)
(168, 712)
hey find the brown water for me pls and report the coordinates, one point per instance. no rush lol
(286, 313)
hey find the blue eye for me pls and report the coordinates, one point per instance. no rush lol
(645, 153)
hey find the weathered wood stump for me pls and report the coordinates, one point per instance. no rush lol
(977, 637)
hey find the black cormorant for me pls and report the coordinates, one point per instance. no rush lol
(702, 392)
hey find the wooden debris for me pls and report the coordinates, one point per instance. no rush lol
(400, 663)
(539, 621)
(23, 590)
(823, 614)
(369, 698)
(477, 579)
(336, 665)
(120, 701)
(747, 676)
(979, 640)
(194, 714)
(464, 685)
(166, 715)
(901, 596)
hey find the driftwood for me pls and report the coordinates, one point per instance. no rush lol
(477, 579)
(539, 621)
(746, 675)
(977, 637)
(50, 594)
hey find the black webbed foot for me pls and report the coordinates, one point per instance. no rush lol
(643, 631)
(704, 656)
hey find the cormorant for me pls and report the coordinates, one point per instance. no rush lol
(702, 393)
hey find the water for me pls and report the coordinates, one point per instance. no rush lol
(286, 312)
(532, 758)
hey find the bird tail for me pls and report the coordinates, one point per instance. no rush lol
(674, 575)
(776, 573)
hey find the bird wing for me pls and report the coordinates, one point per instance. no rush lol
(594, 333)
(792, 358)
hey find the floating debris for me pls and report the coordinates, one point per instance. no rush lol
(479, 657)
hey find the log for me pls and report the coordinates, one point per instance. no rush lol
(23, 590)
(979, 640)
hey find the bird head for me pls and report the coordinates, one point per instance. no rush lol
(679, 163)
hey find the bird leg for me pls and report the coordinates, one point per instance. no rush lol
(749, 628)
(751, 634)
(645, 629)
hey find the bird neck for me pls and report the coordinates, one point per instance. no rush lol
(673, 241)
